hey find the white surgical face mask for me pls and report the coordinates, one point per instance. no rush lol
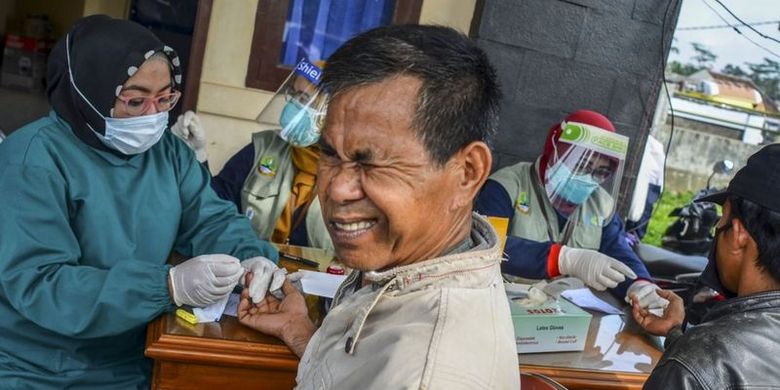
(136, 134)
(131, 135)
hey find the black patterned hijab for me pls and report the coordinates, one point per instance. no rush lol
(104, 53)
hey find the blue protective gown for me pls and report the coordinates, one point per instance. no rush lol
(84, 239)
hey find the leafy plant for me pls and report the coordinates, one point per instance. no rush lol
(660, 220)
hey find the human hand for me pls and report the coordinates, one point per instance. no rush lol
(265, 274)
(191, 131)
(673, 315)
(595, 269)
(646, 293)
(203, 280)
(286, 319)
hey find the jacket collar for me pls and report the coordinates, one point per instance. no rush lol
(755, 302)
(485, 254)
(473, 266)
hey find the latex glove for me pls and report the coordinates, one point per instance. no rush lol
(190, 130)
(264, 275)
(277, 282)
(597, 270)
(203, 280)
(646, 294)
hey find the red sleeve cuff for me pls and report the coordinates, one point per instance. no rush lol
(552, 261)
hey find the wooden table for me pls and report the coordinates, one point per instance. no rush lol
(218, 355)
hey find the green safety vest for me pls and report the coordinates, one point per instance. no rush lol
(267, 189)
(531, 219)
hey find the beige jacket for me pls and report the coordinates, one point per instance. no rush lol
(439, 324)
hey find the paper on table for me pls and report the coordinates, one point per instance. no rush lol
(211, 313)
(320, 283)
(231, 309)
(585, 299)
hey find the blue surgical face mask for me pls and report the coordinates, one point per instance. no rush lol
(575, 189)
(298, 124)
(134, 135)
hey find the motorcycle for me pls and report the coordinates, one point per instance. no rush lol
(691, 233)
(676, 265)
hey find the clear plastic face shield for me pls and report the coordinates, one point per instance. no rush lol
(587, 167)
(297, 110)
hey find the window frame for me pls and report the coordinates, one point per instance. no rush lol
(264, 70)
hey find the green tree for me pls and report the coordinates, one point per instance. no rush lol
(766, 75)
(704, 57)
(683, 69)
(734, 70)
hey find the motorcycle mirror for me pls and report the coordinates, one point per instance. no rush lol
(720, 167)
(723, 167)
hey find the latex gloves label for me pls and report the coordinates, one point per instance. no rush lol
(595, 269)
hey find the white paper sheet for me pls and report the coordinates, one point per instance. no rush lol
(231, 309)
(211, 313)
(585, 299)
(321, 283)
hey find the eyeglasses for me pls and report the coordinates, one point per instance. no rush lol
(138, 105)
(599, 174)
(302, 97)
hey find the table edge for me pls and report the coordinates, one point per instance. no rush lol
(191, 349)
(582, 378)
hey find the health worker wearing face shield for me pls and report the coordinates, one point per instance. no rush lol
(561, 210)
(271, 180)
(93, 198)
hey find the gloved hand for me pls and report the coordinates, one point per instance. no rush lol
(190, 130)
(646, 294)
(275, 288)
(597, 270)
(203, 280)
(265, 273)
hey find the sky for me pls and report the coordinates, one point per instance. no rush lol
(730, 47)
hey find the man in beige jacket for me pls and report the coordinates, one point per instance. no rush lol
(402, 156)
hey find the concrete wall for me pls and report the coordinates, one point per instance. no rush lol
(693, 153)
(227, 108)
(556, 56)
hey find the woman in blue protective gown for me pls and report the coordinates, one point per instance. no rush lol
(93, 199)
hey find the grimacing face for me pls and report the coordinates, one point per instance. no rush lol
(384, 201)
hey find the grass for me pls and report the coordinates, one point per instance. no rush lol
(660, 219)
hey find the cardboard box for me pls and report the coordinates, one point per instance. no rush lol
(24, 62)
(556, 325)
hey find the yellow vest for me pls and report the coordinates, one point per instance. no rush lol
(267, 189)
(530, 219)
